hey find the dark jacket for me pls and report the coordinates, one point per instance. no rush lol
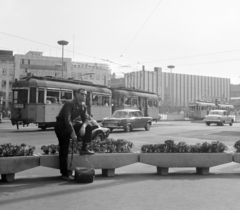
(72, 112)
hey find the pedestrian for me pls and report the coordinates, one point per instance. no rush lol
(67, 121)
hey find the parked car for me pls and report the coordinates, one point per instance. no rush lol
(127, 119)
(219, 117)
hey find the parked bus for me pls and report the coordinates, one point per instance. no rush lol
(199, 109)
(128, 98)
(39, 99)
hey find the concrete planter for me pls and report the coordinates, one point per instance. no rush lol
(236, 157)
(108, 162)
(11, 165)
(201, 161)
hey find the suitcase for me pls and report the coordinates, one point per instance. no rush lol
(84, 175)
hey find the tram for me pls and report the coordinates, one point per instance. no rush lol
(199, 109)
(129, 98)
(39, 99)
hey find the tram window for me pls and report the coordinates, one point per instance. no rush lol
(150, 103)
(52, 96)
(96, 100)
(127, 102)
(20, 96)
(32, 95)
(40, 96)
(155, 104)
(65, 95)
(105, 100)
(134, 102)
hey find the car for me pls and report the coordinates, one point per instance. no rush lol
(98, 132)
(219, 117)
(127, 119)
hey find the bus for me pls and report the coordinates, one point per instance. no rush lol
(199, 109)
(129, 98)
(39, 99)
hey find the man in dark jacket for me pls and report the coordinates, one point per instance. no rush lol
(67, 119)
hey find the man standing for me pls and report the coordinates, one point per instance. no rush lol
(67, 118)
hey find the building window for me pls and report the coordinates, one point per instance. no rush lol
(4, 83)
(4, 71)
(11, 72)
(22, 61)
(91, 76)
(97, 77)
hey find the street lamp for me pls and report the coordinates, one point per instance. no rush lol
(171, 67)
(62, 42)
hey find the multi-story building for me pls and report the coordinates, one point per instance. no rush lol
(98, 73)
(180, 89)
(16, 66)
(6, 77)
(235, 96)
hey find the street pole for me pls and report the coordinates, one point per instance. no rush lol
(62, 42)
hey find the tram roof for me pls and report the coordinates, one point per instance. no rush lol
(132, 93)
(38, 82)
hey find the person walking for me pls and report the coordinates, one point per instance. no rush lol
(65, 129)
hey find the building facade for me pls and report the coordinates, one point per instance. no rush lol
(16, 66)
(98, 73)
(180, 89)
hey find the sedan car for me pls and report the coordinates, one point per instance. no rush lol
(219, 117)
(127, 119)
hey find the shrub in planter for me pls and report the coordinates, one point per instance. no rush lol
(52, 149)
(9, 150)
(170, 147)
(237, 146)
(106, 146)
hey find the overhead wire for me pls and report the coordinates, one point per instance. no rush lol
(141, 27)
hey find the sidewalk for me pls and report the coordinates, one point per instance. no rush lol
(135, 186)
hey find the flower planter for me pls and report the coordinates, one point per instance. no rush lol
(11, 165)
(108, 162)
(236, 157)
(201, 161)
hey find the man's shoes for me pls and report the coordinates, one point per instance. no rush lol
(67, 178)
(86, 152)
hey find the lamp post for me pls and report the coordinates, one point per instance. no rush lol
(62, 42)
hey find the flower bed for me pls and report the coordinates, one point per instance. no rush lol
(16, 158)
(202, 156)
(110, 154)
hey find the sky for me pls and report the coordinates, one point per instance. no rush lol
(198, 37)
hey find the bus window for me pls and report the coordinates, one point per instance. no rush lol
(40, 96)
(52, 96)
(96, 100)
(134, 102)
(65, 95)
(32, 95)
(105, 100)
(150, 103)
(20, 96)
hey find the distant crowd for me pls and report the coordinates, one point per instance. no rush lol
(6, 113)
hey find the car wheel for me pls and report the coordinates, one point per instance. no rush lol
(207, 124)
(127, 128)
(98, 137)
(147, 127)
